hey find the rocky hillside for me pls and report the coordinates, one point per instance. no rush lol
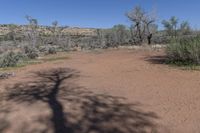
(74, 31)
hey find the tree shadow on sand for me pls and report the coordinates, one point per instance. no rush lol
(77, 110)
(157, 59)
(4, 111)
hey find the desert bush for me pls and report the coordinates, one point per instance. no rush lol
(31, 52)
(42, 49)
(11, 59)
(184, 51)
(52, 50)
(161, 39)
(48, 49)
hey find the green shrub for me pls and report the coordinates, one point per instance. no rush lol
(11, 59)
(31, 52)
(52, 50)
(184, 51)
(42, 49)
(47, 50)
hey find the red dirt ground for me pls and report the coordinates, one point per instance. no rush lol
(113, 91)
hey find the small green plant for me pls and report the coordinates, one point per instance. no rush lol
(52, 50)
(31, 52)
(11, 59)
(185, 51)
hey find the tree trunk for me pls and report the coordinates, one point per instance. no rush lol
(149, 37)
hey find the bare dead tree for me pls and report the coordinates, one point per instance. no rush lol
(150, 26)
(32, 31)
(57, 33)
(136, 16)
(143, 24)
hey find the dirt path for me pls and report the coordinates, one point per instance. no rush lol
(114, 91)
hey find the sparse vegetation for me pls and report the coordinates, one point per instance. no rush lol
(52, 50)
(11, 59)
(24, 60)
(31, 52)
(185, 51)
(174, 29)
(34, 40)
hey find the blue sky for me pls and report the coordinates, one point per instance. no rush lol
(94, 13)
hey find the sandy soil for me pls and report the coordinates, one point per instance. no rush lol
(113, 91)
